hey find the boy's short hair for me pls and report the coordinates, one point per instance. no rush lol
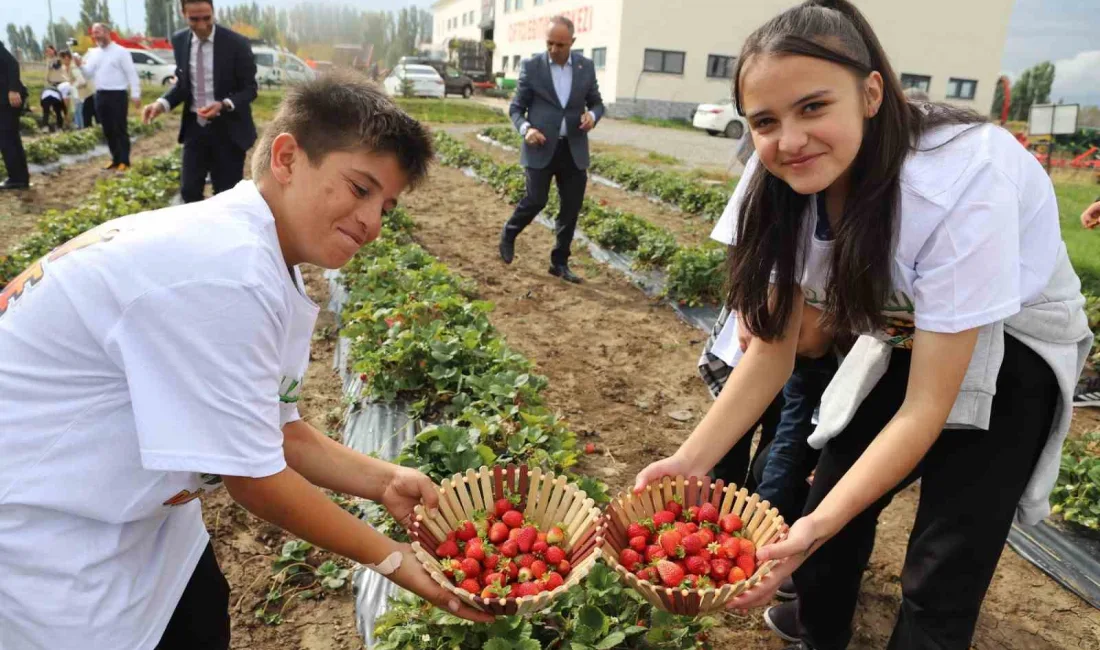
(344, 111)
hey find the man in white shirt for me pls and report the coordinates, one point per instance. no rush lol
(160, 355)
(112, 70)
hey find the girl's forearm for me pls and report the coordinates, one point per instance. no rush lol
(329, 464)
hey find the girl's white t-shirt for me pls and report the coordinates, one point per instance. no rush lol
(141, 360)
(978, 235)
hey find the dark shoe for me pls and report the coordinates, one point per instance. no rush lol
(507, 248)
(9, 184)
(786, 590)
(783, 620)
(562, 271)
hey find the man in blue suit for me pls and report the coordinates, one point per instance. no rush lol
(557, 103)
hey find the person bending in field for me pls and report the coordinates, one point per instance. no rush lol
(159, 356)
(935, 237)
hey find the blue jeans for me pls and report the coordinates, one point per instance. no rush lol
(790, 458)
(78, 114)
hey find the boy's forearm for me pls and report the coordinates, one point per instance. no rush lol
(288, 501)
(326, 463)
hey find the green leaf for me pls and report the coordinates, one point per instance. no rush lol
(593, 619)
(612, 640)
(498, 644)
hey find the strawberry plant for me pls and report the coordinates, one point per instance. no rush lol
(28, 125)
(293, 578)
(696, 276)
(1076, 495)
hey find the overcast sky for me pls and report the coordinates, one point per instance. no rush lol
(1064, 31)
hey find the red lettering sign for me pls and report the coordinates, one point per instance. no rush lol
(530, 30)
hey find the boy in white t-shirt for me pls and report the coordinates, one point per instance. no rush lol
(159, 355)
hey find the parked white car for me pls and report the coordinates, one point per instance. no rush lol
(276, 66)
(720, 118)
(425, 81)
(151, 67)
(294, 69)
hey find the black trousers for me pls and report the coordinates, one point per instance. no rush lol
(971, 481)
(89, 111)
(111, 107)
(571, 185)
(56, 106)
(734, 466)
(201, 619)
(208, 149)
(11, 145)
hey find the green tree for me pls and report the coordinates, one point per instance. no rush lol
(1042, 78)
(1021, 97)
(93, 11)
(58, 33)
(158, 17)
(15, 41)
(998, 99)
(31, 46)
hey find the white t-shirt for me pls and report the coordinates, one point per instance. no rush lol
(141, 360)
(978, 235)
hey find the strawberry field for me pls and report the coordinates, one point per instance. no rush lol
(508, 365)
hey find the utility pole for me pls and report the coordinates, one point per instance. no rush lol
(126, 14)
(49, 8)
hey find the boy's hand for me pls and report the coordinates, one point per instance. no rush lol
(407, 489)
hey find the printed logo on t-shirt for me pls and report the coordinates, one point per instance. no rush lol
(290, 390)
(898, 310)
(26, 280)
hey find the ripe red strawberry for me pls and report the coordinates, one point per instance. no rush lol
(525, 560)
(564, 567)
(731, 523)
(475, 550)
(737, 574)
(471, 567)
(675, 507)
(706, 554)
(590, 448)
(495, 578)
(732, 547)
(708, 513)
(670, 541)
(513, 570)
(706, 535)
(502, 506)
(554, 556)
(716, 551)
(513, 534)
(747, 547)
(693, 513)
(555, 535)
(638, 530)
(655, 552)
(514, 518)
(553, 581)
(683, 528)
(645, 574)
(539, 547)
(451, 567)
(509, 549)
(691, 581)
(722, 537)
(746, 563)
(494, 592)
(491, 561)
(663, 518)
(692, 527)
(697, 565)
(448, 548)
(524, 575)
(470, 585)
(671, 574)
(498, 532)
(466, 531)
(720, 568)
(527, 538)
(539, 569)
(638, 543)
(525, 589)
(629, 558)
(693, 544)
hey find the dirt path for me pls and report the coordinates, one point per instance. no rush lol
(619, 363)
(68, 186)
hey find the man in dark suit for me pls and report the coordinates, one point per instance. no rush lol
(13, 95)
(557, 103)
(216, 83)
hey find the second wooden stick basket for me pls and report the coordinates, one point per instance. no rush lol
(762, 525)
(546, 500)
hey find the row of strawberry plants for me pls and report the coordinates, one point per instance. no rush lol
(50, 148)
(694, 273)
(419, 335)
(689, 194)
(149, 185)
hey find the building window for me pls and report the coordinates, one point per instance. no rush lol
(504, 63)
(515, 62)
(720, 66)
(664, 61)
(507, 6)
(919, 81)
(599, 57)
(519, 5)
(961, 88)
(538, 2)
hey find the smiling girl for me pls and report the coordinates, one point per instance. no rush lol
(936, 238)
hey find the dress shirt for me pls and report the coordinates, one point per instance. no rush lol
(112, 68)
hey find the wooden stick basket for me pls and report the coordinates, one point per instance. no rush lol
(762, 525)
(546, 500)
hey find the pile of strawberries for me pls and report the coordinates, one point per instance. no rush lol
(689, 549)
(499, 555)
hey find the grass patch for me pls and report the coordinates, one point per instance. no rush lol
(456, 111)
(662, 159)
(1083, 245)
(681, 124)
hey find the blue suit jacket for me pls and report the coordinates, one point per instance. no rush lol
(536, 102)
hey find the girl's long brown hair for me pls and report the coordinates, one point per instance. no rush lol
(769, 228)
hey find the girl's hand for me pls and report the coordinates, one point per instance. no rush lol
(792, 550)
(673, 466)
(412, 576)
(407, 489)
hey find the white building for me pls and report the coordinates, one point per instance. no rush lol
(660, 59)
